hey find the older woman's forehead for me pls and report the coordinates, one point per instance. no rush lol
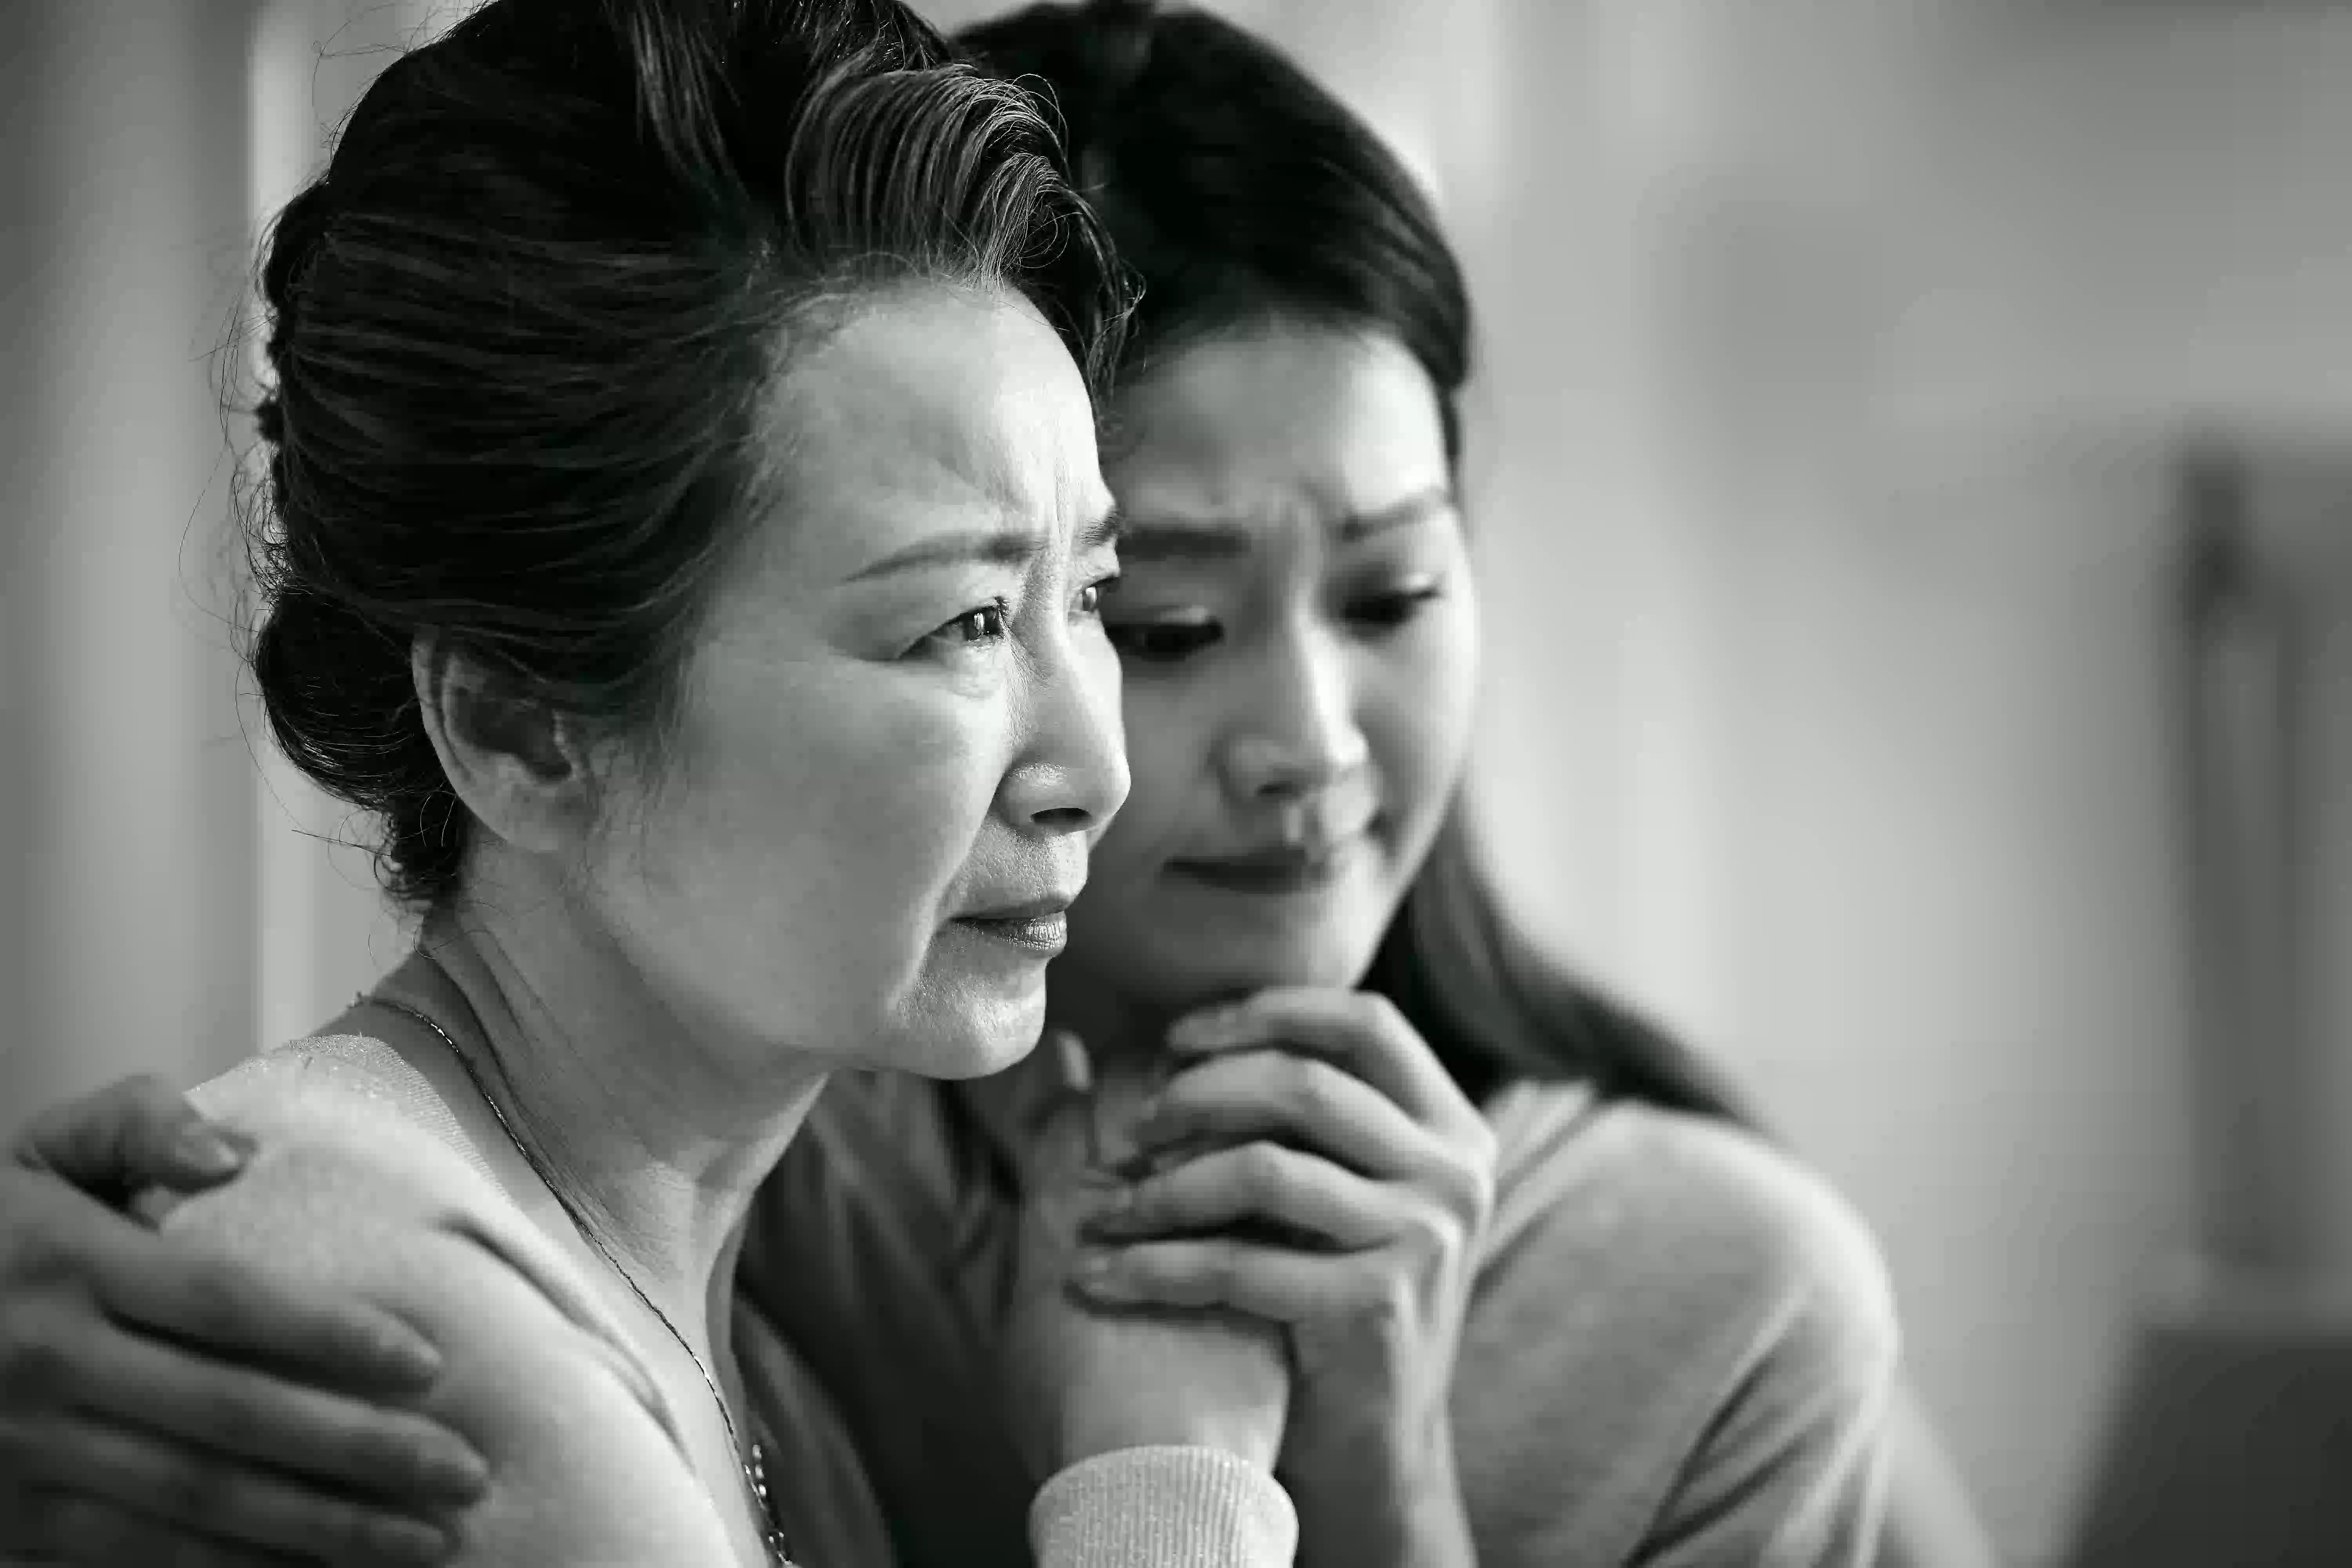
(937, 410)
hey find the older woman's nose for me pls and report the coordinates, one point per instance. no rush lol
(1072, 777)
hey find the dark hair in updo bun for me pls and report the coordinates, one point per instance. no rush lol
(519, 329)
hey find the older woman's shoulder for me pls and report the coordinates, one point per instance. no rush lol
(360, 1186)
(353, 1115)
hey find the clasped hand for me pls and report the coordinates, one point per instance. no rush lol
(1311, 1166)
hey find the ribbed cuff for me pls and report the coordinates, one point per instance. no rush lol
(1163, 1507)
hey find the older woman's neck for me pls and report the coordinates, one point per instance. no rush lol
(654, 1129)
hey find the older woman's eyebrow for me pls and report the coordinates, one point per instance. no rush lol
(1106, 533)
(993, 546)
(1215, 539)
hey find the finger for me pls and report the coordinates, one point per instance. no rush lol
(91, 1532)
(1282, 1095)
(1262, 1182)
(185, 1289)
(1360, 1031)
(137, 1132)
(1280, 1284)
(238, 1414)
(138, 1483)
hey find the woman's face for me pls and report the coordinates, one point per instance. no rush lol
(1300, 638)
(899, 729)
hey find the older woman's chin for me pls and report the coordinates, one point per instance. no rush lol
(968, 1036)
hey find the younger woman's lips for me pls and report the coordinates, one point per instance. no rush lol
(1277, 871)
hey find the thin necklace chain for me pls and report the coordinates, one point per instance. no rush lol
(755, 1469)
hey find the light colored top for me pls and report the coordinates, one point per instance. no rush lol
(1677, 1354)
(364, 1173)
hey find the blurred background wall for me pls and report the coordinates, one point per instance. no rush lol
(1831, 354)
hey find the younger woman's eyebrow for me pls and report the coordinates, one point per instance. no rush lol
(1421, 506)
(1219, 539)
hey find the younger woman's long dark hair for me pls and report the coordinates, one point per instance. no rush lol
(1236, 188)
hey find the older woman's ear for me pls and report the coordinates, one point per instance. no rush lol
(514, 763)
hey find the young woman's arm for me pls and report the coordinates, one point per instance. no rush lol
(500, 1347)
(133, 1416)
(582, 1463)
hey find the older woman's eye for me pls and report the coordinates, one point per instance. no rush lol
(1162, 642)
(1091, 597)
(980, 626)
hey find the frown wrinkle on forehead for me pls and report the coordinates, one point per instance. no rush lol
(1009, 546)
(1229, 535)
(885, 448)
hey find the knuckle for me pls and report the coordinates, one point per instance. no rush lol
(1481, 1208)
(1316, 1090)
(1480, 1147)
(1220, 1270)
(1469, 1188)
(1428, 1231)
(1258, 1169)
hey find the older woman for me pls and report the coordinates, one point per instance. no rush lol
(684, 532)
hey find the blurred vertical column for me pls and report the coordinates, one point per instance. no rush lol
(2228, 1437)
(128, 889)
(324, 932)
(2266, 768)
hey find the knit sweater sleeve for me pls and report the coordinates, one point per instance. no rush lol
(1163, 1507)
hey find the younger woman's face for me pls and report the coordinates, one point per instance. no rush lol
(1298, 636)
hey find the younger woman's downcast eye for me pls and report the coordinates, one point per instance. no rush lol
(1162, 641)
(1391, 608)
